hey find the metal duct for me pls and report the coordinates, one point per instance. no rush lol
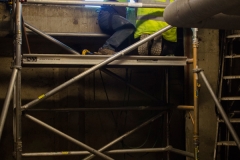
(203, 14)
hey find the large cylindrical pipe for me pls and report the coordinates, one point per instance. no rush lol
(203, 14)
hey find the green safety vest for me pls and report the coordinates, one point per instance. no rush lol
(150, 20)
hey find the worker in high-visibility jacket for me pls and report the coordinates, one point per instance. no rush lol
(112, 20)
(149, 21)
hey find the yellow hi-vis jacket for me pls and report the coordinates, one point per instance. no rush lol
(150, 20)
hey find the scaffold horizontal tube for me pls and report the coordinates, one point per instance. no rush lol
(185, 107)
(117, 151)
(135, 5)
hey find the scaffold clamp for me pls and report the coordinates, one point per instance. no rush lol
(197, 70)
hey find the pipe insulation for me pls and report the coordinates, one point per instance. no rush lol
(213, 14)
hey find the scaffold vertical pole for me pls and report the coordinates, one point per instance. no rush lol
(17, 91)
(195, 96)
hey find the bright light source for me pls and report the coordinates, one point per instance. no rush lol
(93, 1)
(131, 1)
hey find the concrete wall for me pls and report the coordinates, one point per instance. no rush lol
(62, 18)
(49, 18)
(5, 20)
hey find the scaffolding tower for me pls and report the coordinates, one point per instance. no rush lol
(97, 62)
